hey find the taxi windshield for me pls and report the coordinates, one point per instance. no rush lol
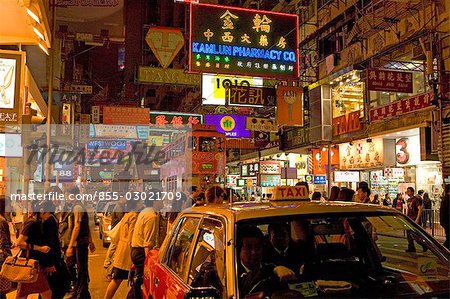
(354, 254)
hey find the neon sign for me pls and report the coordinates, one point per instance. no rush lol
(233, 40)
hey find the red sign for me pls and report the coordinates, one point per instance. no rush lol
(347, 123)
(126, 115)
(401, 107)
(383, 80)
(320, 160)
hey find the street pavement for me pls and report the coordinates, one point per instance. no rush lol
(98, 283)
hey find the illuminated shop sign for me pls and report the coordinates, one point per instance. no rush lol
(346, 176)
(361, 154)
(233, 40)
(270, 180)
(103, 144)
(174, 120)
(251, 96)
(262, 124)
(214, 87)
(232, 125)
(387, 80)
(121, 115)
(320, 179)
(347, 123)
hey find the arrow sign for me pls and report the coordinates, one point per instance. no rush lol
(165, 43)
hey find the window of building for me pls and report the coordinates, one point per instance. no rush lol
(347, 93)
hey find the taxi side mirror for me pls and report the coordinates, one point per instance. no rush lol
(202, 293)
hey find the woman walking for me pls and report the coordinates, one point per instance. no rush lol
(122, 256)
(31, 239)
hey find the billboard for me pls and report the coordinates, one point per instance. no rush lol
(232, 40)
(165, 43)
(290, 106)
(126, 115)
(214, 87)
(232, 125)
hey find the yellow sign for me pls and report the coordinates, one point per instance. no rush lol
(155, 140)
(165, 43)
(167, 76)
(261, 124)
(294, 193)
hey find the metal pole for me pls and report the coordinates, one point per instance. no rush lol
(329, 169)
(50, 96)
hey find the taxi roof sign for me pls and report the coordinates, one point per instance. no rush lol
(293, 193)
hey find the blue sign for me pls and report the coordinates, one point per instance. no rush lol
(320, 179)
(107, 144)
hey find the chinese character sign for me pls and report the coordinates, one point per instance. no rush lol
(232, 40)
(290, 106)
(250, 96)
(387, 80)
(160, 119)
(402, 107)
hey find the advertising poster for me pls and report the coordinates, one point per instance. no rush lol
(11, 70)
(290, 106)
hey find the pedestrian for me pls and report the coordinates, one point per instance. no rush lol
(116, 216)
(5, 236)
(444, 215)
(334, 193)
(65, 227)
(346, 194)
(375, 200)
(145, 238)
(398, 202)
(79, 245)
(31, 241)
(200, 199)
(122, 257)
(216, 195)
(54, 266)
(427, 212)
(316, 196)
(362, 194)
(387, 200)
(414, 212)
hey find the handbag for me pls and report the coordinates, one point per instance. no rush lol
(20, 269)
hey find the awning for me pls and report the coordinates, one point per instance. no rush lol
(25, 22)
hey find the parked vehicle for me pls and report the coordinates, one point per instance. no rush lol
(105, 223)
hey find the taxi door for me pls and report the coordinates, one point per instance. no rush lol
(169, 277)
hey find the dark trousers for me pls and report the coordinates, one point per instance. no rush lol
(82, 286)
(138, 259)
(71, 262)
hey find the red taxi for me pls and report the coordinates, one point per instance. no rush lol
(293, 248)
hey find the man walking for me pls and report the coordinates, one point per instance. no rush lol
(145, 238)
(80, 243)
(414, 212)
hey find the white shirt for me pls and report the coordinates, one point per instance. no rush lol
(146, 230)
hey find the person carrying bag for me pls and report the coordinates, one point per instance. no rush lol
(5, 248)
